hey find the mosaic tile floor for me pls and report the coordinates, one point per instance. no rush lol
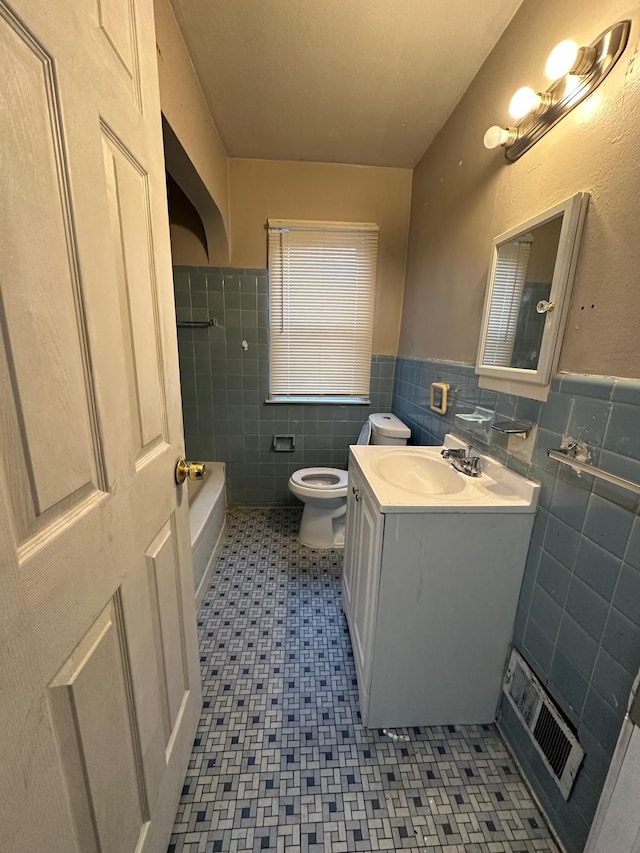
(281, 760)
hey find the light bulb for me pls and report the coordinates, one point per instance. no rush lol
(523, 102)
(561, 59)
(496, 136)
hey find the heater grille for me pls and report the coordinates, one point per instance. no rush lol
(548, 730)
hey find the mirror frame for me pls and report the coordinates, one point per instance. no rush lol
(520, 381)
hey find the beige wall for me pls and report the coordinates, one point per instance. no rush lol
(463, 195)
(263, 189)
(186, 249)
(195, 154)
(186, 230)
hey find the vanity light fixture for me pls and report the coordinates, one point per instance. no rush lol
(576, 72)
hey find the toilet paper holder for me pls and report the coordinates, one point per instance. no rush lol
(283, 443)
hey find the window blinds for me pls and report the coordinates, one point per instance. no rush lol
(506, 297)
(321, 282)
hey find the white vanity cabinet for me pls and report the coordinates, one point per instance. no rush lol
(430, 596)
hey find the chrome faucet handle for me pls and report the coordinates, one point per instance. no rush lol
(453, 453)
(471, 466)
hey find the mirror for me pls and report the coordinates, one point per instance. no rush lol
(527, 298)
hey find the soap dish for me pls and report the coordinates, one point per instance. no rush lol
(479, 416)
(519, 428)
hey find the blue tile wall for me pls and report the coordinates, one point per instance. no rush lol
(578, 618)
(224, 388)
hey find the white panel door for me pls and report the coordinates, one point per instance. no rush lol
(99, 675)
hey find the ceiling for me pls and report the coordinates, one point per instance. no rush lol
(337, 81)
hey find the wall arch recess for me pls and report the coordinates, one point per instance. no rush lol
(184, 173)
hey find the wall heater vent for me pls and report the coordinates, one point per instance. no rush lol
(551, 736)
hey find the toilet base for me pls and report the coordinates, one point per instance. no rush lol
(320, 528)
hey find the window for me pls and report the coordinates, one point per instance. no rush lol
(321, 284)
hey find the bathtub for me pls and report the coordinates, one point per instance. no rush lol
(207, 521)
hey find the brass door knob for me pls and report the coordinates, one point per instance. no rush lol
(192, 470)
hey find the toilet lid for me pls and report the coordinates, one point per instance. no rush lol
(320, 478)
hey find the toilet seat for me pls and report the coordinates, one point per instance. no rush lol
(331, 482)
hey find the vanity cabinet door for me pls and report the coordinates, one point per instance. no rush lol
(365, 591)
(350, 540)
(360, 578)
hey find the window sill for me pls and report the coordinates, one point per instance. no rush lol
(310, 400)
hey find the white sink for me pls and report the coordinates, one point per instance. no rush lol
(417, 473)
(418, 479)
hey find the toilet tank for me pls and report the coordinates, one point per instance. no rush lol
(388, 429)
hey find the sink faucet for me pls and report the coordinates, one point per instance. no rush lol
(462, 460)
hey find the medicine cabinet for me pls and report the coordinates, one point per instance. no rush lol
(528, 292)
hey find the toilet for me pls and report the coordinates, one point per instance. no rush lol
(324, 490)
